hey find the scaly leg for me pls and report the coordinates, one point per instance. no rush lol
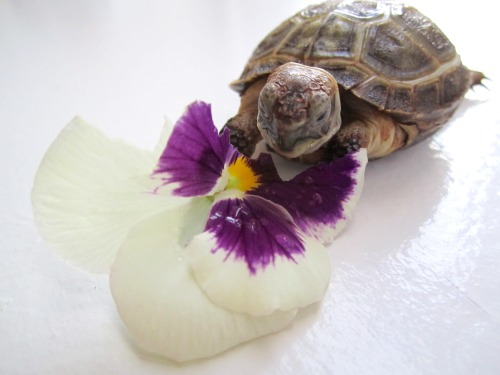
(379, 134)
(244, 134)
(350, 138)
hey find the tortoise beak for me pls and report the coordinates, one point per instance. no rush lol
(285, 148)
(290, 147)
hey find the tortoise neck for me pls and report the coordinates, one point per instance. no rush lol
(250, 98)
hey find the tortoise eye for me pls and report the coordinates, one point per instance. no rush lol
(263, 120)
(322, 116)
(262, 110)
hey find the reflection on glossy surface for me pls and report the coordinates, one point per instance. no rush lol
(424, 289)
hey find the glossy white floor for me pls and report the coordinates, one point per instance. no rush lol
(416, 283)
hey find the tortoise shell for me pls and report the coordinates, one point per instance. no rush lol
(386, 53)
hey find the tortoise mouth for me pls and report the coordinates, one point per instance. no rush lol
(301, 146)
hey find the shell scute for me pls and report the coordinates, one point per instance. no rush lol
(342, 46)
(392, 53)
(347, 76)
(269, 43)
(316, 10)
(362, 10)
(300, 39)
(399, 97)
(453, 85)
(439, 44)
(427, 97)
(374, 91)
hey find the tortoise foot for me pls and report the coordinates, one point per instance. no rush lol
(339, 150)
(242, 135)
(352, 145)
(348, 140)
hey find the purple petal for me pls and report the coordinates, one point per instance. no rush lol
(264, 167)
(195, 155)
(322, 196)
(254, 230)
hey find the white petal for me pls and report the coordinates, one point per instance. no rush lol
(162, 141)
(282, 287)
(88, 192)
(163, 307)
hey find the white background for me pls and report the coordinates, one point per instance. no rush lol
(416, 282)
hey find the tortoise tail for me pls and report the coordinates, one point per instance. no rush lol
(476, 78)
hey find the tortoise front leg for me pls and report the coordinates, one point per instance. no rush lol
(350, 138)
(380, 134)
(243, 127)
(243, 132)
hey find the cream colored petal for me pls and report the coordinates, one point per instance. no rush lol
(161, 304)
(281, 286)
(253, 259)
(88, 191)
(162, 141)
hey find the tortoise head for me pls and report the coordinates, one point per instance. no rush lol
(299, 109)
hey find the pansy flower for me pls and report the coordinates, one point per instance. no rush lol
(205, 247)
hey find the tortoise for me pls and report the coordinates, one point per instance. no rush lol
(344, 75)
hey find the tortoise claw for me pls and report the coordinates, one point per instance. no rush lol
(348, 141)
(241, 138)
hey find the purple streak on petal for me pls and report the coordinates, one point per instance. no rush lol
(264, 167)
(255, 231)
(316, 196)
(195, 154)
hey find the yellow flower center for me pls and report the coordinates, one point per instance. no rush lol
(241, 176)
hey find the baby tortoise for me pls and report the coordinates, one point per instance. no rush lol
(393, 72)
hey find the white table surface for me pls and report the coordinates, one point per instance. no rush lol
(416, 282)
